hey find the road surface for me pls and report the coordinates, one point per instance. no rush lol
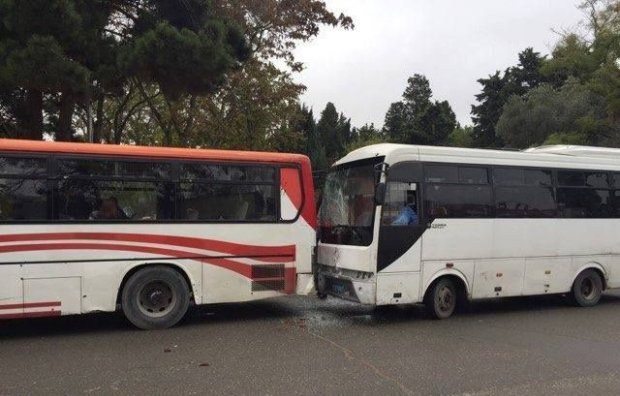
(299, 346)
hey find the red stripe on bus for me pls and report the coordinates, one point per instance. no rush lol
(240, 268)
(268, 252)
(31, 305)
(24, 315)
(235, 266)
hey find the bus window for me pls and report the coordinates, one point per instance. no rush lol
(584, 202)
(23, 199)
(583, 179)
(470, 175)
(100, 200)
(533, 202)
(457, 201)
(226, 202)
(401, 204)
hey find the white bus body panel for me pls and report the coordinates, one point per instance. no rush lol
(493, 257)
(82, 275)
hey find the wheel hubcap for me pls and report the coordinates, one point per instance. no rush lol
(588, 288)
(156, 299)
(445, 299)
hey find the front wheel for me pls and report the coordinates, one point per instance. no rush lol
(587, 289)
(155, 298)
(441, 299)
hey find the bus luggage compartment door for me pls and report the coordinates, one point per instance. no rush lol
(52, 296)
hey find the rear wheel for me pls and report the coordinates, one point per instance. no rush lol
(155, 298)
(587, 289)
(441, 299)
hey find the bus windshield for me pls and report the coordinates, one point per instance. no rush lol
(348, 207)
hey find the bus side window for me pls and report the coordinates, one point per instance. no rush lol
(401, 204)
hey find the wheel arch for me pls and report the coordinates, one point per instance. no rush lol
(463, 287)
(176, 267)
(593, 265)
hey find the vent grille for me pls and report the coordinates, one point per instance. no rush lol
(268, 271)
(268, 285)
(268, 278)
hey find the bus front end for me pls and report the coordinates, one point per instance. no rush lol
(347, 253)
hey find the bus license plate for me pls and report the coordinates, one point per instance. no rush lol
(338, 288)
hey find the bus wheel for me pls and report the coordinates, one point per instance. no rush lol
(155, 298)
(441, 299)
(587, 289)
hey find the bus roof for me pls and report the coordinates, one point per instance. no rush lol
(579, 157)
(34, 146)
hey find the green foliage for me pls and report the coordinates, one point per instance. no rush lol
(335, 132)
(183, 48)
(572, 113)
(581, 102)
(497, 89)
(365, 136)
(417, 119)
(461, 137)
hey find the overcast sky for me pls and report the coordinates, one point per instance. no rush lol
(452, 42)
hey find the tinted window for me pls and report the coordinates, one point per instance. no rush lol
(98, 200)
(583, 202)
(469, 175)
(617, 180)
(211, 172)
(23, 199)
(508, 177)
(106, 169)
(441, 174)
(226, 202)
(583, 179)
(617, 204)
(535, 177)
(30, 167)
(524, 202)
(457, 201)
(400, 205)
(521, 177)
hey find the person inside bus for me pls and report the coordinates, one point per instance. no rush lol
(408, 214)
(110, 210)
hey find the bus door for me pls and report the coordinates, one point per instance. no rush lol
(402, 223)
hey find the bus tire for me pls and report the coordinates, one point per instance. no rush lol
(441, 299)
(155, 298)
(587, 289)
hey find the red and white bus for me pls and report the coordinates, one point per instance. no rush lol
(90, 227)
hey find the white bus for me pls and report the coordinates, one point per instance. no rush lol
(406, 224)
(90, 227)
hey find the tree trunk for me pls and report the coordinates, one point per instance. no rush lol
(33, 122)
(98, 124)
(65, 118)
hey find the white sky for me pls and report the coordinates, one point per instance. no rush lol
(452, 42)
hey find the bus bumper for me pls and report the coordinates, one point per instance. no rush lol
(359, 287)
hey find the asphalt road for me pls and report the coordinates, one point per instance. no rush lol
(303, 346)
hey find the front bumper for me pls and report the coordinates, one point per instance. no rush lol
(346, 284)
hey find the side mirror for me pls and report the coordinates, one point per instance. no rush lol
(380, 194)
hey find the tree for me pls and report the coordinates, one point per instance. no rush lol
(417, 119)
(461, 137)
(255, 106)
(497, 88)
(49, 51)
(435, 124)
(335, 132)
(395, 124)
(572, 114)
(66, 52)
(365, 136)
